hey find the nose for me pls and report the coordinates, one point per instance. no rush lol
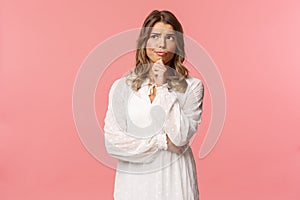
(162, 42)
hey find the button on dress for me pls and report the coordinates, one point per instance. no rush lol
(135, 133)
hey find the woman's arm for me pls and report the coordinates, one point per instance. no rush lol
(122, 145)
(183, 120)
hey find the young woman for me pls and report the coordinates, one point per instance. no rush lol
(152, 114)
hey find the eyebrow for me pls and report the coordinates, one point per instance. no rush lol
(160, 33)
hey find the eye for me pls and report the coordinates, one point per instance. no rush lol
(154, 36)
(170, 37)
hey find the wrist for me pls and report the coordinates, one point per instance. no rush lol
(168, 139)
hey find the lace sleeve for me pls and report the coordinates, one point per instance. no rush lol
(183, 119)
(120, 144)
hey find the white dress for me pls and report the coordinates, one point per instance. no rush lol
(135, 133)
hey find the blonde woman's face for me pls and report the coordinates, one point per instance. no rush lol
(161, 43)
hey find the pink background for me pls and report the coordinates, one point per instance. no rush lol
(254, 44)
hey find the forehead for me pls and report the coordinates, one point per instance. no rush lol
(161, 27)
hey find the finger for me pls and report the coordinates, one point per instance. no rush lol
(158, 67)
(178, 150)
(160, 61)
(155, 69)
(182, 149)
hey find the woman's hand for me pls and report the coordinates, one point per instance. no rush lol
(175, 149)
(159, 72)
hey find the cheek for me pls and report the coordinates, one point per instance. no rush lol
(171, 47)
(150, 44)
(148, 52)
(150, 55)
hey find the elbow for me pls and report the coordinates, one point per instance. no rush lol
(185, 135)
(178, 140)
(109, 146)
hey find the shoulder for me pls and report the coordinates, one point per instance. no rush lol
(120, 82)
(194, 83)
(195, 88)
(120, 86)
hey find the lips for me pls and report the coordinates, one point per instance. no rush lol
(161, 53)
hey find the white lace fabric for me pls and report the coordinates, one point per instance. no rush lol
(146, 170)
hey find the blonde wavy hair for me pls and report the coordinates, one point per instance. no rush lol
(177, 74)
